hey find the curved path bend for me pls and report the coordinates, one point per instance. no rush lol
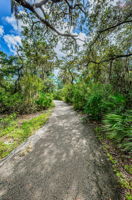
(62, 161)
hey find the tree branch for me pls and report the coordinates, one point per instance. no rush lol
(111, 59)
(114, 26)
(76, 5)
(41, 3)
(127, 20)
(32, 9)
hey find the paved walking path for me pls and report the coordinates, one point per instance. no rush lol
(62, 161)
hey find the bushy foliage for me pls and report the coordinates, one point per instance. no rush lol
(30, 97)
(118, 128)
(79, 95)
(10, 102)
(31, 86)
(68, 93)
(75, 94)
(101, 102)
(58, 94)
(101, 99)
(44, 100)
(94, 100)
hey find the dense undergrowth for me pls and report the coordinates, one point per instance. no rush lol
(30, 98)
(13, 133)
(101, 103)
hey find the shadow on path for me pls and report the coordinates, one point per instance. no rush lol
(66, 163)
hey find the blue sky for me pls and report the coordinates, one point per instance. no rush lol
(5, 10)
(9, 35)
(10, 32)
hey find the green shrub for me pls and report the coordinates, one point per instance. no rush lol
(101, 100)
(95, 100)
(31, 86)
(10, 102)
(58, 94)
(80, 92)
(44, 101)
(68, 93)
(118, 128)
(76, 94)
(93, 107)
(114, 102)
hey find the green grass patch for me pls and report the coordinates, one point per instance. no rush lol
(14, 134)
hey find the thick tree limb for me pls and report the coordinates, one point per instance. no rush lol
(126, 20)
(114, 26)
(53, 28)
(32, 9)
(111, 59)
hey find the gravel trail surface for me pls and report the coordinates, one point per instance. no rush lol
(62, 161)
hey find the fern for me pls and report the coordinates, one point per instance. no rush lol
(118, 128)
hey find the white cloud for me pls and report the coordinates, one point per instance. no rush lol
(16, 24)
(1, 31)
(58, 50)
(81, 40)
(12, 41)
